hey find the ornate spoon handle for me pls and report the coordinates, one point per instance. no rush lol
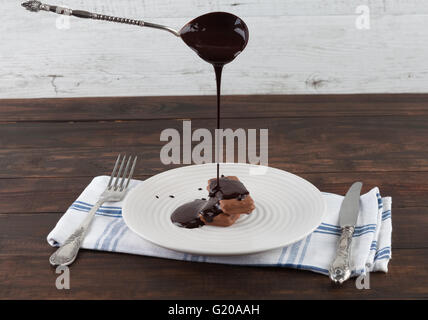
(35, 6)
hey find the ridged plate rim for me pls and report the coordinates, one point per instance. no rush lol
(222, 248)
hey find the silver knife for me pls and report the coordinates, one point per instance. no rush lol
(340, 270)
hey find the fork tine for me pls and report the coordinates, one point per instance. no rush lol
(131, 172)
(124, 173)
(114, 171)
(119, 172)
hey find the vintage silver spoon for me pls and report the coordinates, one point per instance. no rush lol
(217, 37)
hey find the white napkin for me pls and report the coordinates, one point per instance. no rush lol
(371, 244)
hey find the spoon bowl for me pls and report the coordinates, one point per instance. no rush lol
(217, 37)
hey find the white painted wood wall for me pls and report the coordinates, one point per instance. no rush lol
(295, 47)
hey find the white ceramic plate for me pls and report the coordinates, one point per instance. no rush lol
(288, 208)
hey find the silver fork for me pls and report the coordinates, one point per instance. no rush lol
(114, 192)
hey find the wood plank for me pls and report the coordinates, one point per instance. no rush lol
(254, 106)
(100, 275)
(35, 195)
(44, 166)
(325, 53)
(330, 144)
(24, 235)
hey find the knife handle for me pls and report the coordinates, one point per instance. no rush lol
(340, 270)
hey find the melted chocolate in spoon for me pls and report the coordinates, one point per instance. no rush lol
(217, 37)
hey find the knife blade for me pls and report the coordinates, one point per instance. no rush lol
(348, 213)
(340, 270)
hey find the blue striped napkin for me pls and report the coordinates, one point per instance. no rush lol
(371, 245)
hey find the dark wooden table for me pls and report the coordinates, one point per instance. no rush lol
(51, 148)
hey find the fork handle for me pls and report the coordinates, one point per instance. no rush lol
(67, 252)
